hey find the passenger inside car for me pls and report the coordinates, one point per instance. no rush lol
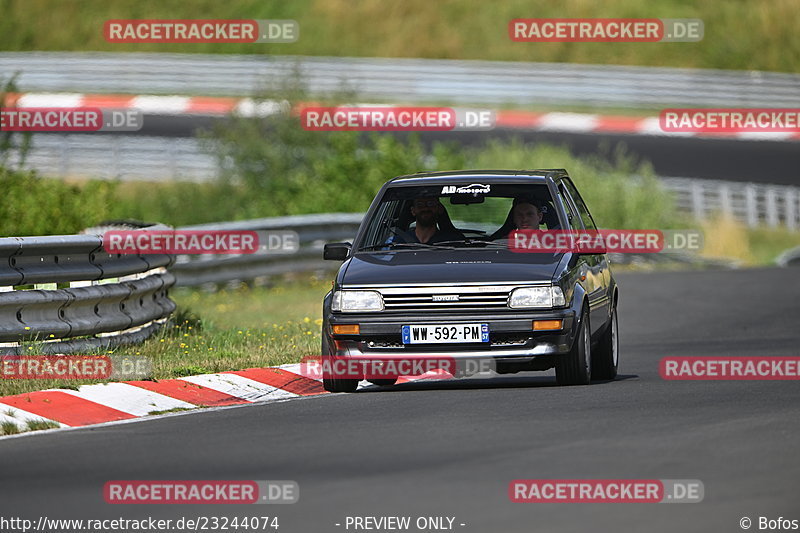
(526, 213)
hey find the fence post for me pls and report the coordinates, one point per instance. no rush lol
(771, 207)
(725, 201)
(115, 168)
(63, 160)
(790, 204)
(751, 205)
(697, 201)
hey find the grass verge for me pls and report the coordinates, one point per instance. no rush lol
(738, 34)
(237, 329)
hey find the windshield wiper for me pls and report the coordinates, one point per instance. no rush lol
(473, 242)
(392, 245)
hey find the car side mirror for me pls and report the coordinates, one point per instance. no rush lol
(338, 251)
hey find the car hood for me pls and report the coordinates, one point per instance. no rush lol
(448, 266)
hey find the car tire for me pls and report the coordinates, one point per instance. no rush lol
(605, 358)
(387, 382)
(330, 383)
(574, 368)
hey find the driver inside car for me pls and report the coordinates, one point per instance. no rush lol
(431, 224)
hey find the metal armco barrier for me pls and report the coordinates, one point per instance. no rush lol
(754, 204)
(313, 232)
(108, 300)
(408, 80)
(113, 300)
(789, 258)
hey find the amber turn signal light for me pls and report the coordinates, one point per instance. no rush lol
(542, 325)
(346, 329)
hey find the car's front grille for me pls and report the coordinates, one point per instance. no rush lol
(424, 299)
(426, 302)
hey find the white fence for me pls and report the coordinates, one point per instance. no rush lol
(157, 158)
(751, 203)
(123, 157)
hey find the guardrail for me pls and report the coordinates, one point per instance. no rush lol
(751, 203)
(143, 158)
(67, 294)
(313, 232)
(122, 157)
(407, 80)
(789, 258)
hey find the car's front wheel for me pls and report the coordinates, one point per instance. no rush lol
(605, 358)
(331, 383)
(386, 382)
(574, 368)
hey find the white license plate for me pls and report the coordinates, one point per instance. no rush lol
(445, 333)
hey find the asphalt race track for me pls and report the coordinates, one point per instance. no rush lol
(451, 448)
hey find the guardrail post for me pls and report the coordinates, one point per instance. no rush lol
(790, 205)
(725, 201)
(63, 160)
(115, 140)
(771, 207)
(698, 205)
(170, 155)
(751, 205)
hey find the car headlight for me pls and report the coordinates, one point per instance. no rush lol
(537, 297)
(357, 301)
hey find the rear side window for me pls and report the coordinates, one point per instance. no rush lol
(583, 211)
(572, 217)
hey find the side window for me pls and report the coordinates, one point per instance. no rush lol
(582, 209)
(382, 227)
(573, 219)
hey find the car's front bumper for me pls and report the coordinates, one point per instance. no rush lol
(511, 337)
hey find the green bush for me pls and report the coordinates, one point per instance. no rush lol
(36, 206)
(284, 169)
(273, 167)
(620, 192)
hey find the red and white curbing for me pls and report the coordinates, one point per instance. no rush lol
(112, 402)
(247, 107)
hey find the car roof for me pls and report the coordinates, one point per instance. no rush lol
(489, 176)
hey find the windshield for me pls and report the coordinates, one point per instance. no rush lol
(471, 214)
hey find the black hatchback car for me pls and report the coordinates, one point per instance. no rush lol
(432, 270)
